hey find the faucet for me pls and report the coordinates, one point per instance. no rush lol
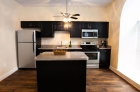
(61, 43)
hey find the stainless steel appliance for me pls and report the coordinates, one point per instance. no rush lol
(89, 33)
(91, 50)
(27, 43)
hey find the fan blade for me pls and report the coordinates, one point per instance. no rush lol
(76, 15)
(73, 17)
(57, 16)
(61, 12)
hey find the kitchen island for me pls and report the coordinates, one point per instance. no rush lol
(61, 73)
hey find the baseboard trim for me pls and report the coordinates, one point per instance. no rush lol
(8, 73)
(125, 78)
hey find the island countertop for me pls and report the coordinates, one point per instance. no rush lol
(49, 56)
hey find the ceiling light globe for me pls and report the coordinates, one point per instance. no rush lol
(65, 20)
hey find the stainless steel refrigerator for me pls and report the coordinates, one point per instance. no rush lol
(28, 42)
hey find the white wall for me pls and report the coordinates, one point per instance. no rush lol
(8, 62)
(128, 40)
(47, 13)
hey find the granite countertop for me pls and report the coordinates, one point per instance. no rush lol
(49, 56)
(50, 47)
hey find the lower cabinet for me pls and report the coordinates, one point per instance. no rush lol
(43, 50)
(61, 76)
(104, 58)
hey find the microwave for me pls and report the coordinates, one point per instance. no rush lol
(89, 33)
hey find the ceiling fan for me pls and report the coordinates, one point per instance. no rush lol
(67, 16)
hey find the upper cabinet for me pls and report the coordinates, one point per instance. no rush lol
(89, 25)
(75, 30)
(60, 26)
(30, 24)
(103, 28)
(74, 27)
(47, 29)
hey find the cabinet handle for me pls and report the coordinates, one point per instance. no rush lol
(90, 25)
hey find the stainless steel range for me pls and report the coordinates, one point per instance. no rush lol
(91, 50)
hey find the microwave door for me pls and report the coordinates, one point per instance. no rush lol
(95, 34)
(87, 34)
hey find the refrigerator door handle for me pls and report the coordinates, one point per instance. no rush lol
(33, 41)
(33, 47)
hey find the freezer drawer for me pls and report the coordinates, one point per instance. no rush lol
(26, 56)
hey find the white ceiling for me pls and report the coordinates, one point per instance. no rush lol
(59, 3)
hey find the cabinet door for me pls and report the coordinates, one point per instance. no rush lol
(75, 30)
(47, 29)
(94, 25)
(103, 28)
(30, 24)
(89, 25)
(85, 25)
(60, 26)
(104, 58)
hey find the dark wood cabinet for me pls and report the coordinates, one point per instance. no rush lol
(89, 25)
(61, 76)
(47, 29)
(75, 30)
(103, 28)
(60, 26)
(74, 27)
(104, 58)
(30, 24)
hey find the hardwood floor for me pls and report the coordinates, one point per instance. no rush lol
(98, 80)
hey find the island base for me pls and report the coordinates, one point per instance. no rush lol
(61, 76)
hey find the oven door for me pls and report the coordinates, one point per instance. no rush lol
(93, 57)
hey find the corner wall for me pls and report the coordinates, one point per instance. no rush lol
(113, 14)
(8, 61)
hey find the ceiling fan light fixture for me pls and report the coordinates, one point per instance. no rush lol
(66, 19)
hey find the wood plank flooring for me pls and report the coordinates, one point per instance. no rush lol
(98, 80)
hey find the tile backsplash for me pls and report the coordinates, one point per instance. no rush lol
(64, 36)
